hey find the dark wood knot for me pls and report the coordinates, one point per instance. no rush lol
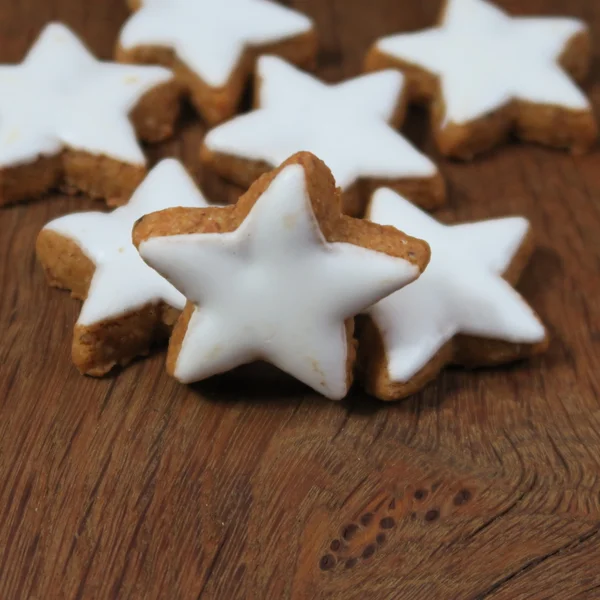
(369, 551)
(366, 519)
(462, 497)
(421, 494)
(327, 562)
(432, 515)
(349, 531)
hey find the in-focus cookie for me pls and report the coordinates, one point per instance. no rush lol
(212, 44)
(462, 310)
(487, 74)
(278, 277)
(127, 305)
(66, 117)
(351, 126)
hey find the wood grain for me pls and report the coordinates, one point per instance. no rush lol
(486, 485)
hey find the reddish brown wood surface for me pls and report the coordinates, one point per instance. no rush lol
(486, 485)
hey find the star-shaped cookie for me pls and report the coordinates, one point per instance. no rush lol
(212, 44)
(462, 310)
(64, 114)
(488, 74)
(127, 305)
(277, 277)
(351, 126)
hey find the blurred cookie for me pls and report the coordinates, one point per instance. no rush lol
(351, 126)
(67, 118)
(486, 74)
(212, 44)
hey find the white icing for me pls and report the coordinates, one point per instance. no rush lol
(461, 291)
(122, 282)
(274, 289)
(346, 125)
(60, 95)
(210, 36)
(485, 59)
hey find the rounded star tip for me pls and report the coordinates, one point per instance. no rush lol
(56, 27)
(57, 32)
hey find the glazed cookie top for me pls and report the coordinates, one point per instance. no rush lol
(210, 36)
(122, 282)
(462, 290)
(60, 95)
(486, 58)
(274, 288)
(347, 125)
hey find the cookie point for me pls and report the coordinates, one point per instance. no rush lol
(137, 232)
(56, 27)
(59, 32)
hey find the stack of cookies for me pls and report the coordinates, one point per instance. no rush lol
(329, 266)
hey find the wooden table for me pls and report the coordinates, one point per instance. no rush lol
(486, 485)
